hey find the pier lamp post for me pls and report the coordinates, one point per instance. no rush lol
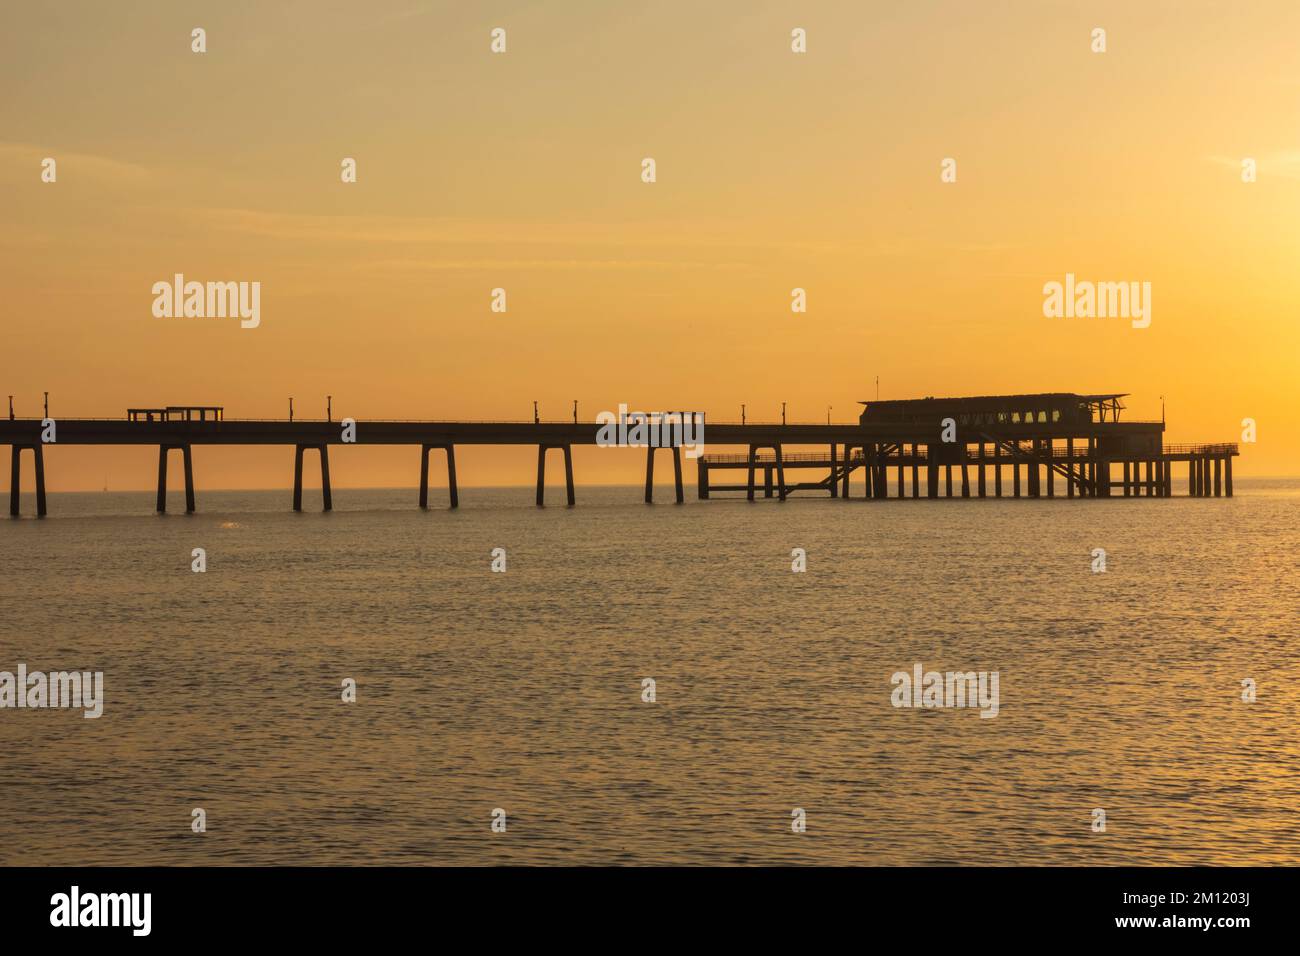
(783, 413)
(536, 420)
(47, 404)
(291, 408)
(828, 414)
(742, 414)
(329, 408)
(575, 411)
(11, 408)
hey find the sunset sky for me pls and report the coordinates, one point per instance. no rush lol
(522, 170)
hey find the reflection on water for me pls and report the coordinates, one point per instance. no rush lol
(522, 690)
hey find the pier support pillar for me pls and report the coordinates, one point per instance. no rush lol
(541, 473)
(188, 464)
(982, 487)
(916, 471)
(1050, 468)
(38, 466)
(702, 479)
(947, 475)
(780, 473)
(161, 503)
(327, 503)
(965, 480)
(451, 474)
(931, 473)
(1015, 475)
(677, 474)
(189, 478)
(1218, 477)
(997, 470)
(1070, 472)
(650, 473)
(834, 479)
(1227, 476)
(15, 477)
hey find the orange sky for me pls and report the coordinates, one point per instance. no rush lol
(522, 171)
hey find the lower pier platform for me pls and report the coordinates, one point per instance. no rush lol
(1028, 469)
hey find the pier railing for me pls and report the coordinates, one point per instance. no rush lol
(1224, 448)
(767, 458)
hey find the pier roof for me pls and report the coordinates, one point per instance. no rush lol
(1002, 400)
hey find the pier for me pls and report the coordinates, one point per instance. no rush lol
(1043, 445)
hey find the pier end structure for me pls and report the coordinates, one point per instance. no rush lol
(1080, 440)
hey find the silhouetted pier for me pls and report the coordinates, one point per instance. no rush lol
(1017, 443)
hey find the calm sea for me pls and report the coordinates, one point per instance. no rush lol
(523, 691)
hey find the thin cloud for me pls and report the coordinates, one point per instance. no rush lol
(474, 265)
(301, 227)
(1284, 163)
(82, 165)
